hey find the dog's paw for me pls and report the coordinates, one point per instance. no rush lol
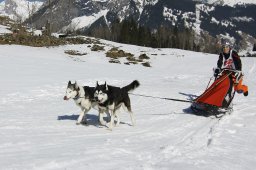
(103, 123)
(77, 123)
(84, 123)
(109, 127)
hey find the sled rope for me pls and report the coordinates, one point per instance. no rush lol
(179, 100)
(163, 98)
(209, 83)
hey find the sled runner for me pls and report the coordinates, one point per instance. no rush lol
(217, 99)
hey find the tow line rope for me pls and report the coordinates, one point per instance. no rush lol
(179, 100)
(163, 98)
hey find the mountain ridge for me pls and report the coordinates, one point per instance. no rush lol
(233, 19)
(19, 10)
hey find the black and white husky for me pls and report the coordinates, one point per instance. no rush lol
(84, 98)
(112, 98)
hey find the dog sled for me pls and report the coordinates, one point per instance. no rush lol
(217, 99)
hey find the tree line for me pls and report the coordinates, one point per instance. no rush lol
(129, 32)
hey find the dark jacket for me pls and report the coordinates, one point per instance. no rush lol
(236, 60)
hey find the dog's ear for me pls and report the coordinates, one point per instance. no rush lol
(69, 82)
(106, 86)
(97, 84)
(76, 86)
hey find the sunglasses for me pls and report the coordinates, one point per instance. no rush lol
(224, 47)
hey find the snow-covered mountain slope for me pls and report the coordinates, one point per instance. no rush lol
(19, 9)
(230, 2)
(2, 4)
(4, 30)
(38, 129)
(235, 22)
(84, 21)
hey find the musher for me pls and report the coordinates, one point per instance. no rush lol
(229, 59)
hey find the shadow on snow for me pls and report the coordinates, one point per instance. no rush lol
(91, 119)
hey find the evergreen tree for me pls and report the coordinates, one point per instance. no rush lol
(124, 32)
(144, 36)
(153, 42)
(133, 32)
(254, 47)
(175, 39)
(128, 31)
(115, 30)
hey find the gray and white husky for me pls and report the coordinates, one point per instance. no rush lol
(83, 96)
(111, 98)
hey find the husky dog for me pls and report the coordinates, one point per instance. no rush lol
(112, 98)
(84, 98)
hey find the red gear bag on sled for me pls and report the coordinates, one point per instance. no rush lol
(215, 94)
(218, 97)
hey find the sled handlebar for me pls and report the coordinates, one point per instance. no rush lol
(231, 70)
(236, 73)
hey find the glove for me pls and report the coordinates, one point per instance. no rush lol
(238, 75)
(216, 72)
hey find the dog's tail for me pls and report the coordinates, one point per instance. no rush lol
(131, 86)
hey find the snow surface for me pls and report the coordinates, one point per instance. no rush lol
(84, 21)
(2, 5)
(243, 19)
(4, 30)
(38, 130)
(231, 2)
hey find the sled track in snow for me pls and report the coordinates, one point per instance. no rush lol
(253, 67)
(207, 128)
(190, 142)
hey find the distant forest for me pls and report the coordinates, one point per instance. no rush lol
(129, 32)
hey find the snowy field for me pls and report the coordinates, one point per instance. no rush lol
(38, 128)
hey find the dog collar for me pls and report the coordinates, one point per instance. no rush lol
(103, 104)
(77, 97)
